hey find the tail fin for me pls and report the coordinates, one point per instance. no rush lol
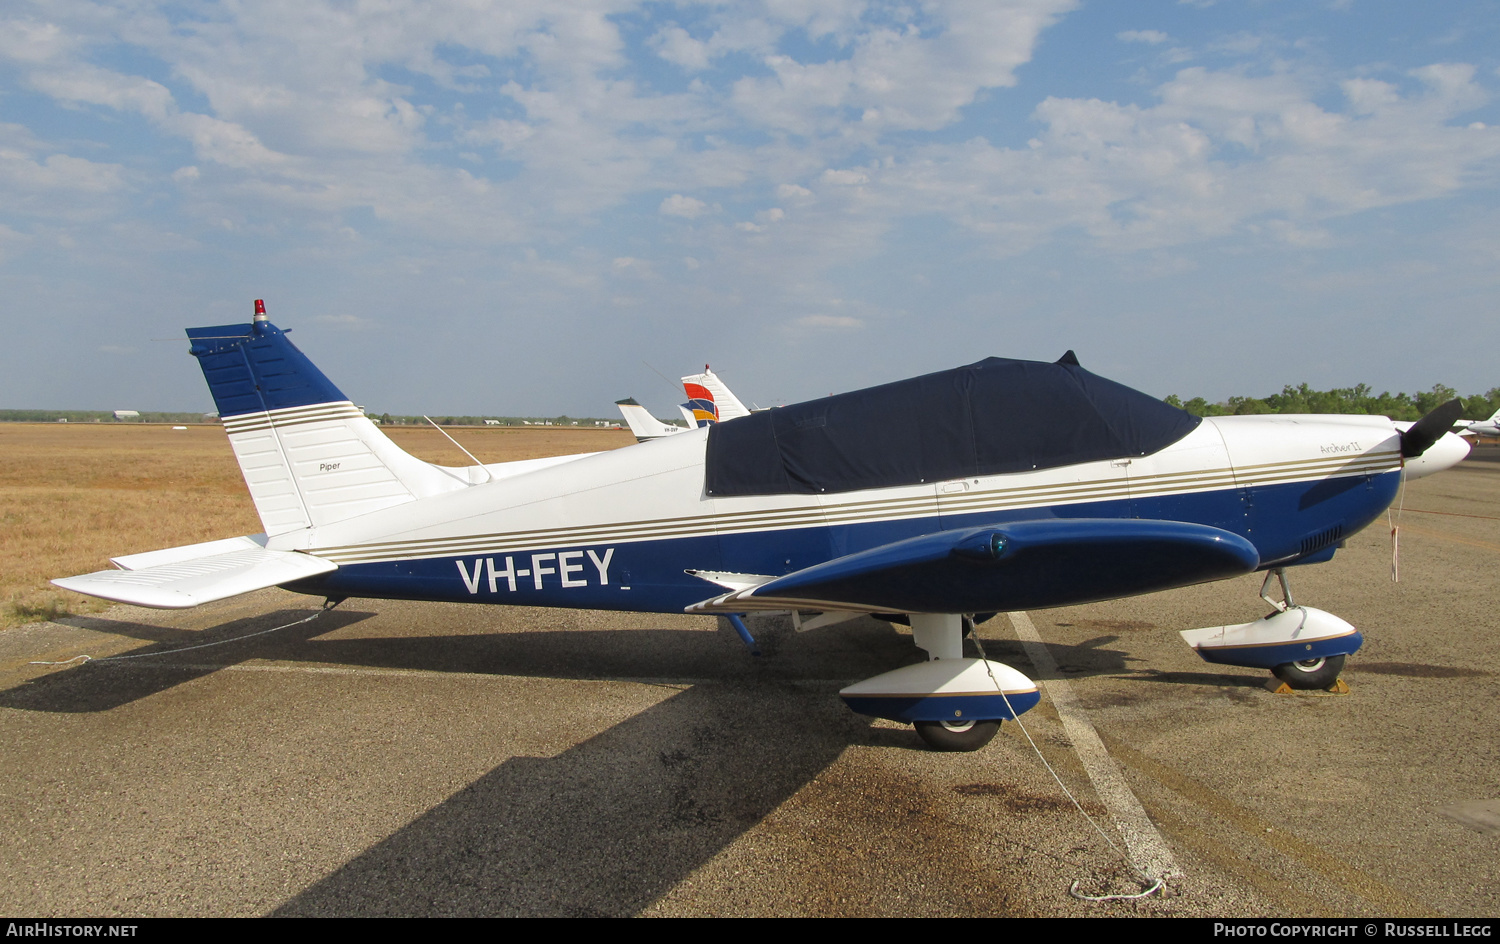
(642, 423)
(710, 399)
(309, 456)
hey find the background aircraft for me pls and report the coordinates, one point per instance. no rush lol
(642, 424)
(1003, 485)
(709, 401)
(1489, 427)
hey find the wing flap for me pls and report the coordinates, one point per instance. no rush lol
(180, 583)
(1017, 565)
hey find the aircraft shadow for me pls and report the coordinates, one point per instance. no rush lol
(1092, 657)
(631, 653)
(177, 656)
(608, 826)
(856, 650)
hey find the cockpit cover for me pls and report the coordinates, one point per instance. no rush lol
(996, 416)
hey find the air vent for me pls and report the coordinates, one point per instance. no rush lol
(1322, 539)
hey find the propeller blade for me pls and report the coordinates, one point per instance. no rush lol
(1430, 428)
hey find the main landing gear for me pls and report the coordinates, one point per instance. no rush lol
(956, 735)
(1302, 646)
(955, 703)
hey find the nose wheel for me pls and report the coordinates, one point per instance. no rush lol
(956, 735)
(1310, 674)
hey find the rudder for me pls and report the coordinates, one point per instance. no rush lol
(309, 456)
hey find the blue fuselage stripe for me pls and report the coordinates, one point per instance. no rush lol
(649, 576)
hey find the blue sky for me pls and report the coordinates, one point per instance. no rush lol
(516, 208)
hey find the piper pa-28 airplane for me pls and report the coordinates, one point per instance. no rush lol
(1004, 485)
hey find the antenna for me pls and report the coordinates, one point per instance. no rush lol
(487, 476)
(674, 386)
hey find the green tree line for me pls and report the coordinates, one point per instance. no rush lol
(1356, 399)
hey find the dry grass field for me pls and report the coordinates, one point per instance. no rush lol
(74, 495)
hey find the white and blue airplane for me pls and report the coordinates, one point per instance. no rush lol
(1003, 485)
(1477, 428)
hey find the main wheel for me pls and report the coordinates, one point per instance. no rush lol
(956, 735)
(1310, 673)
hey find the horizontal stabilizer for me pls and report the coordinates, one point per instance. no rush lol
(183, 583)
(187, 552)
(1019, 565)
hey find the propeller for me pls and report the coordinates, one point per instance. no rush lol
(1430, 428)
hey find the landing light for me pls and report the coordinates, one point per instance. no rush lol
(988, 545)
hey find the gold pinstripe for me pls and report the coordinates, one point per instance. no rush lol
(291, 416)
(868, 511)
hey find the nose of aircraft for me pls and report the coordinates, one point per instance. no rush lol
(1447, 452)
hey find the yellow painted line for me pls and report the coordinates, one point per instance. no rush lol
(1290, 899)
(1447, 536)
(1449, 514)
(1385, 898)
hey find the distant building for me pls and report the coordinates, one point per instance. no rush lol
(127, 414)
(492, 422)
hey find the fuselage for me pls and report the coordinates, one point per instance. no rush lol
(620, 530)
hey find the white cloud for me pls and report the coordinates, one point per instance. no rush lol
(1220, 152)
(911, 78)
(29, 41)
(828, 322)
(686, 207)
(346, 322)
(441, 144)
(1152, 37)
(845, 178)
(676, 46)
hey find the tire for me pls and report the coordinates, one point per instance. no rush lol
(962, 736)
(1310, 674)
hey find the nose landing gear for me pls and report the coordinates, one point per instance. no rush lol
(1310, 674)
(1302, 646)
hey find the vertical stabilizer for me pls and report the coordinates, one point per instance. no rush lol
(642, 424)
(309, 456)
(710, 399)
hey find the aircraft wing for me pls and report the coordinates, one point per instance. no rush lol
(1016, 565)
(181, 577)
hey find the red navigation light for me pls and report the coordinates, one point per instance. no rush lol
(260, 310)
